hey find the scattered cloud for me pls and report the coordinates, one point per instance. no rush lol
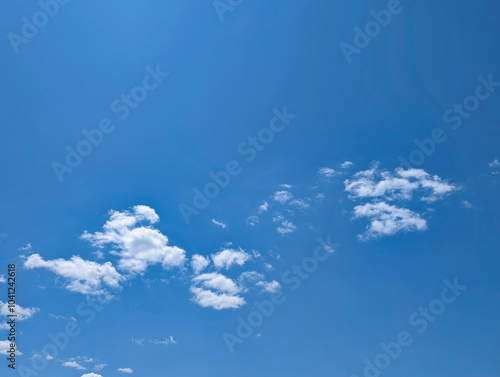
(346, 164)
(282, 196)
(73, 364)
(5, 348)
(494, 164)
(23, 314)
(327, 172)
(3, 279)
(467, 204)
(125, 370)
(252, 220)
(373, 183)
(284, 185)
(271, 287)
(386, 219)
(99, 367)
(222, 225)
(300, 203)
(91, 375)
(285, 227)
(218, 282)
(227, 257)
(215, 300)
(82, 276)
(199, 263)
(263, 207)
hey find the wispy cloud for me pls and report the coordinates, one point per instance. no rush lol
(222, 225)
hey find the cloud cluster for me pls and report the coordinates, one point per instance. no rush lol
(386, 219)
(402, 184)
(381, 187)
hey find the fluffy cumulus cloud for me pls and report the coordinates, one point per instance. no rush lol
(3, 279)
(82, 276)
(91, 375)
(5, 348)
(386, 219)
(402, 184)
(23, 314)
(199, 263)
(282, 196)
(271, 287)
(381, 187)
(216, 300)
(137, 246)
(228, 257)
(218, 282)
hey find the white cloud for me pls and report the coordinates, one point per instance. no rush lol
(263, 207)
(285, 226)
(3, 279)
(222, 225)
(327, 172)
(27, 247)
(99, 367)
(218, 301)
(22, 313)
(165, 341)
(282, 196)
(62, 317)
(83, 276)
(494, 164)
(467, 204)
(373, 183)
(346, 164)
(217, 281)
(91, 375)
(5, 348)
(125, 370)
(199, 263)
(386, 219)
(226, 258)
(299, 203)
(287, 186)
(138, 246)
(250, 276)
(271, 287)
(73, 364)
(319, 197)
(252, 220)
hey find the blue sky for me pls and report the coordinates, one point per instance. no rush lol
(375, 169)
